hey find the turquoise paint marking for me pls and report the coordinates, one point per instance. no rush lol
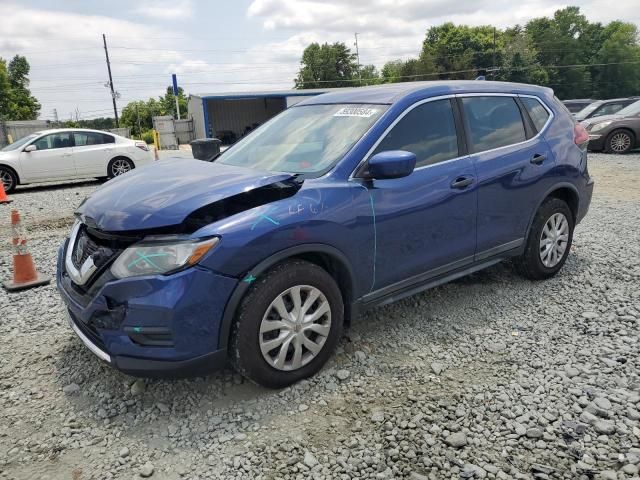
(264, 216)
(249, 279)
(147, 258)
(375, 240)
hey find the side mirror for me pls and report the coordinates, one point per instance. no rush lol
(30, 148)
(391, 164)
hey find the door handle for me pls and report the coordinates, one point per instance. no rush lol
(538, 158)
(462, 182)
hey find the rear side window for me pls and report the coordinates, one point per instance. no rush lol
(537, 112)
(90, 138)
(428, 130)
(492, 122)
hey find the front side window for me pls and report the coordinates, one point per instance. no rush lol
(609, 109)
(536, 111)
(492, 122)
(307, 139)
(428, 130)
(54, 140)
(89, 138)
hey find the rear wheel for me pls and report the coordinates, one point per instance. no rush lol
(549, 241)
(619, 141)
(287, 325)
(9, 179)
(119, 166)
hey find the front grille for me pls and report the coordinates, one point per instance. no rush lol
(84, 247)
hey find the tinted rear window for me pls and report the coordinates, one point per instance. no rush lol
(537, 112)
(492, 122)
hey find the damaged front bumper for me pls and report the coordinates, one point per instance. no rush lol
(159, 325)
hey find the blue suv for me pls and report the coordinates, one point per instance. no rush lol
(348, 200)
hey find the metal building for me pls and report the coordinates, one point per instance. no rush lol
(229, 116)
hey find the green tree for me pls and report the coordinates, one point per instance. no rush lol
(327, 65)
(519, 59)
(168, 103)
(22, 105)
(461, 51)
(620, 47)
(5, 88)
(368, 75)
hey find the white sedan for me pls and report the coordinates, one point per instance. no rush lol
(69, 153)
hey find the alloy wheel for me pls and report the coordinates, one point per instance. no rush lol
(7, 180)
(620, 142)
(120, 166)
(554, 240)
(295, 327)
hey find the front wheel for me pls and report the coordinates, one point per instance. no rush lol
(119, 166)
(9, 179)
(549, 241)
(287, 325)
(619, 141)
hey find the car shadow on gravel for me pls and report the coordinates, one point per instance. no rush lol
(28, 189)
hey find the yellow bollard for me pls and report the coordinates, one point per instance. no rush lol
(156, 139)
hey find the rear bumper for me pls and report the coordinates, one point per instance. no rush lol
(585, 200)
(153, 326)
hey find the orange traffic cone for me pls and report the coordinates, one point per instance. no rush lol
(3, 195)
(25, 274)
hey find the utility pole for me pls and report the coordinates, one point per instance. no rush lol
(138, 116)
(55, 115)
(113, 93)
(493, 75)
(358, 58)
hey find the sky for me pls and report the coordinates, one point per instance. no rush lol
(223, 46)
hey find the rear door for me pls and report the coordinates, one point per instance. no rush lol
(511, 158)
(52, 159)
(92, 152)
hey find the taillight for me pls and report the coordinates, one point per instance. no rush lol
(142, 146)
(580, 135)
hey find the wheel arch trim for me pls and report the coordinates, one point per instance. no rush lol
(243, 285)
(547, 194)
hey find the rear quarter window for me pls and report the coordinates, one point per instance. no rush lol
(536, 111)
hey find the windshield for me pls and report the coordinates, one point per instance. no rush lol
(304, 139)
(19, 143)
(588, 109)
(630, 110)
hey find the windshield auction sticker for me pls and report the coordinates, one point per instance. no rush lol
(355, 112)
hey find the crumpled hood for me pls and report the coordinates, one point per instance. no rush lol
(165, 193)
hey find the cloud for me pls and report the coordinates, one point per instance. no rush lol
(166, 10)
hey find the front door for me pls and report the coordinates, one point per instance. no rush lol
(425, 223)
(52, 159)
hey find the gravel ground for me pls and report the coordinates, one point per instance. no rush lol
(490, 376)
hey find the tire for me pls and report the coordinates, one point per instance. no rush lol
(119, 166)
(283, 365)
(9, 179)
(539, 262)
(619, 141)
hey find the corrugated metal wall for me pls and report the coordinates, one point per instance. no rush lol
(238, 114)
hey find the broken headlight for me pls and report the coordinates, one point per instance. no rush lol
(152, 257)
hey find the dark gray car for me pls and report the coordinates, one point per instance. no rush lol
(604, 107)
(617, 133)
